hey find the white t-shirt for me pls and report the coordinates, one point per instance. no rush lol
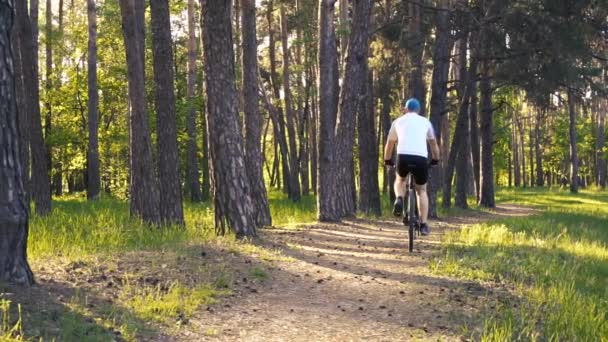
(411, 131)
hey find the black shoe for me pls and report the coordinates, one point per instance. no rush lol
(424, 229)
(398, 208)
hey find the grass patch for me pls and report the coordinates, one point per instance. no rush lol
(258, 273)
(173, 302)
(556, 261)
(10, 331)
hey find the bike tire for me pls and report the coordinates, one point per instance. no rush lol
(412, 215)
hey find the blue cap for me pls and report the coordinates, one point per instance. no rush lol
(413, 105)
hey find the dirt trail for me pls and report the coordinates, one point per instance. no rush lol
(352, 282)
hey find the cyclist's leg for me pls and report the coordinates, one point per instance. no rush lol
(423, 202)
(400, 185)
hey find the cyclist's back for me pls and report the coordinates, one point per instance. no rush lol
(410, 133)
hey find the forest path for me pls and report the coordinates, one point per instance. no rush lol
(353, 281)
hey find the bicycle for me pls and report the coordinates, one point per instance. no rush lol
(410, 212)
(410, 209)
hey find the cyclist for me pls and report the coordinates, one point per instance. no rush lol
(410, 133)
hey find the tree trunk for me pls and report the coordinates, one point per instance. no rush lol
(312, 136)
(53, 169)
(279, 120)
(522, 152)
(206, 184)
(601, 146)
(538, 150)
(439, 93)
(294, 167)
(416, 85)
(355, 76)
(14, 267)
(327, 205)
(473, 116)
(461, 142)
(171, 210)
(574, 181)
(253, 119)
(231, 191)
(40, 184)
(22, 112)
(193, 185)
(486, 196)
(143, 191)
(515, 149)
(389, 175)
(369, 191)
(93, 178)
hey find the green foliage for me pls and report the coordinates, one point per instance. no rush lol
(557, 261)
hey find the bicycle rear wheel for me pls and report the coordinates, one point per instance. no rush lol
(412, 215)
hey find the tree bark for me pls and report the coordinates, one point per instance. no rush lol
(143, 191)
(193, 185)
(22, 112)
(171, 210)
(40, 184)
(231, 191)
(54, 169)
(540, 181)
(473, 114)
(355, 76)
(14, 267)
(574, 181)
(515, 149)
(278, 120)
(369, 189)
(327, 205)
(439, 93)
(461, 143)
(93, 178)
(253, 118)
(294, 164)
(601, 146)
(415, 50)
(486, 194)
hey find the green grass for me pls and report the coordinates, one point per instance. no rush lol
(555, 261)
(9, 331)
(77, 228)
(173, 302)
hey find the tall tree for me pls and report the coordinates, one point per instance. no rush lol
(171, 210)
(355, 76)
(278, 119)
(231, 191)
(193, 185)
(40, 184)
(93, 178)
(13, 211)
(486, 193)
(253, 119)
(574, 178)
(601, 145)
(327, 205)
(369, 189)
(294, 164)
(439, 93)
(22, 112)
(143, 191)
(48, 106)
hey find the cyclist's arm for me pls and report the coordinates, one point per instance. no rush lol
(430, 137)
(390, 144)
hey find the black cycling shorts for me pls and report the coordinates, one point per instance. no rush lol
(417, 165)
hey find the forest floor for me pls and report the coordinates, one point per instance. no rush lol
(479, 274)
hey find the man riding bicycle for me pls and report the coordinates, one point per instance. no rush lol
(410, 133)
